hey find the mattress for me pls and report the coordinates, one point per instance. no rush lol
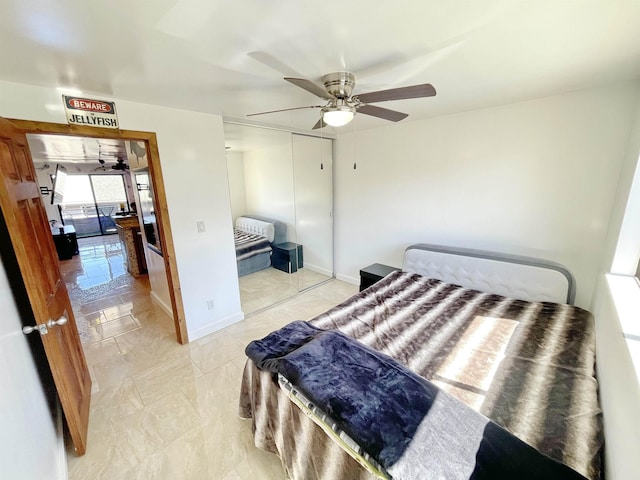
(249, 244)
(527, 366)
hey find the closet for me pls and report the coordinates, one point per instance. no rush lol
(286, 178)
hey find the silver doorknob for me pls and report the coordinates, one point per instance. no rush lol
(43, 328)
(61, 321)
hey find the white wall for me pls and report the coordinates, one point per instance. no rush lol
(191, 149)
(237, 192)
(30, 443)
(194, 168)
(619, 388)
(619, 380)
(533, 178)
(268, 179)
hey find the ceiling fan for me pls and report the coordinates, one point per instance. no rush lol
(342, 106)
(120, 165)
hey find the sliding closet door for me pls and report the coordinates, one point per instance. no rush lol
(313, 185)
(260, 172)
(277, 175)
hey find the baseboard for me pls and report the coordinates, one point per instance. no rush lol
(320, 270)
(215, 326)
(156, 299)
(345, 278)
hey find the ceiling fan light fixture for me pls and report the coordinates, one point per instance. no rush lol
(337, 88)
(338, 116)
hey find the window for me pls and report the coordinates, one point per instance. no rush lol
(91, 201)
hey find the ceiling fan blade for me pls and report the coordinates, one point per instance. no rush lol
(309, 86)
(319, 124)
(402, 93)
(283, 110)
(384, 113)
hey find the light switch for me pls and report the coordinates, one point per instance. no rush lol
(200, 224)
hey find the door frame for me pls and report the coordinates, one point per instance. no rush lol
(162, 213)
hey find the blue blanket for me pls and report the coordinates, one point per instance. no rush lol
(405, 422)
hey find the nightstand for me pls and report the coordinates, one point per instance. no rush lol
(287, 257)
(374, 273)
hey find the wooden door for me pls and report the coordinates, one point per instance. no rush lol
(32, 241)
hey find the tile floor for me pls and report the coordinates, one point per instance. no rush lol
(160, 410)
(266, 287)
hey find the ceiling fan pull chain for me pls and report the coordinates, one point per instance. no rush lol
(355, 145)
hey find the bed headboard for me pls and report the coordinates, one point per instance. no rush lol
(515, 276)
(274, 230)
(257, 227)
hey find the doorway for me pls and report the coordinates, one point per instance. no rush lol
(156, 179)
(90, 201)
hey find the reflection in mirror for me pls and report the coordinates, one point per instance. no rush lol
(260, 172)
(147, 209)
(280, 189)
(313, 187)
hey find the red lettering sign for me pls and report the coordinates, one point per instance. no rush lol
(89, 105)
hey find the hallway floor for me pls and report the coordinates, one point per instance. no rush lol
(161, 410)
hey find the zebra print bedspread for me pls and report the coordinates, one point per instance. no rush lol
(530, 367)
(249, 244)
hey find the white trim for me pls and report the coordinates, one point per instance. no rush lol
(627, 253)
(317, 269)
(625, 293)
(214, 327)
(156, 299)
(351, 280)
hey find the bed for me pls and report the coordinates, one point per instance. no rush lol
(494, 335)
(253, 238)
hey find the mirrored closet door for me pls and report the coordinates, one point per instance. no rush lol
(313, 188)
(281, 187)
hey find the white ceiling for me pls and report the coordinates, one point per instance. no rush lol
(62, 149)
(229, 57)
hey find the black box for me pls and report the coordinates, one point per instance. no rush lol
(287, 257)
(374, 273)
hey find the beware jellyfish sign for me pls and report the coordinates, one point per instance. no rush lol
(89, 112)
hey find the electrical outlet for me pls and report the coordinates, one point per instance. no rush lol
(210, 305)
(200, 225)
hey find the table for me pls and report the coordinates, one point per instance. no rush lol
(374, 273)
(287, 257)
